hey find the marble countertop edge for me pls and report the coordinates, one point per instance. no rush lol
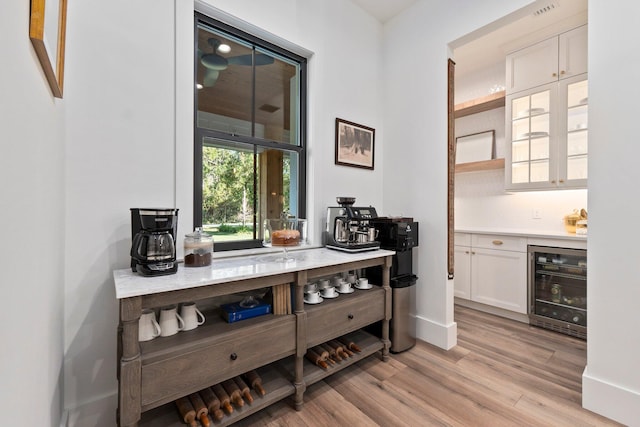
(228, 269)
(549, 234)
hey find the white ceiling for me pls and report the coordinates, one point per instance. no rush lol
(489, 45)
(383, 10)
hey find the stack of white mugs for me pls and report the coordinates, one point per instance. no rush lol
(171, 321)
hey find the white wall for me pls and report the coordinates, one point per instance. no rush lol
(479, 83)
(415, 155)
(120, 154)
(32, 213)
(611, 382)
(129, 138)
(344, 71)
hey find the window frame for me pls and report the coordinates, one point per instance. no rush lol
(201, 133)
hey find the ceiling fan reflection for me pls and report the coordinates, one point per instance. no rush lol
(214, 62)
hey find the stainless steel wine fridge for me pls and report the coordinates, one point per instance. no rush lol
(558, 289)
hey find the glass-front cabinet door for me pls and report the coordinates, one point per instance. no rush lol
(546, 136)
(574, 150)
(531, 162)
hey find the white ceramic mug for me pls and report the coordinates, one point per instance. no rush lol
(344, 286)
(323, 283)
(363, 282)
(148, 327)
(191, 315)
(336, 280)
(313, 296)
(351, 278)
(329, 292)
(311, 287)
(170, 321)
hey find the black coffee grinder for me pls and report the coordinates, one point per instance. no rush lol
(153, 247)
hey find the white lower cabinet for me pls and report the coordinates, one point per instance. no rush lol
(462, 272)
(492, 270)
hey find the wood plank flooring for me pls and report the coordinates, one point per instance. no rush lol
(501, 373)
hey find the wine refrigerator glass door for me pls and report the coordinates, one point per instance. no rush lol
(558, 289)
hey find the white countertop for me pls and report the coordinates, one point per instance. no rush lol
(552, 234)
(130, 284)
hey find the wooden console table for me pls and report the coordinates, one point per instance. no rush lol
(153, 374)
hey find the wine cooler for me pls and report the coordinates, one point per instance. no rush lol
(558, 289)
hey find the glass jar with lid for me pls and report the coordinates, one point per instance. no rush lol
(198, 249)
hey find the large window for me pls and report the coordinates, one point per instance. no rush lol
(250, 160)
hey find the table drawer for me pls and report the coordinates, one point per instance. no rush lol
(344, 314)
(228, 355)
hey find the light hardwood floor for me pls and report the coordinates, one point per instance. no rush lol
(501, 373)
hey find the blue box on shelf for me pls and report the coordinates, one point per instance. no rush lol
(234, 312)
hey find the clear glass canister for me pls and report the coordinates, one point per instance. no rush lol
(198, 249)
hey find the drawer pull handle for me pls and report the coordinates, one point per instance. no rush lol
(498, 242)
(350, 316)
(233, 356)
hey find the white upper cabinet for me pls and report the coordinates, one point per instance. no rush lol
(572, 53)
(548, 61)
(532, 66)
(547, 114)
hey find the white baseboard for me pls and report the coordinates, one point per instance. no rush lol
(65, 418)
(610, 400)
(443, 336)
(492, 310)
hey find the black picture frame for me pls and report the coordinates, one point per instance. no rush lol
(355, 145)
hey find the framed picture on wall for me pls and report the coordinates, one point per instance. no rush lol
(47, 31)
(476, 147)
(355, 144)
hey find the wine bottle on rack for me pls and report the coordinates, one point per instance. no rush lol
(577, 318)
(556, 293)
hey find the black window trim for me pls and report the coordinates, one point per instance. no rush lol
(199, 133)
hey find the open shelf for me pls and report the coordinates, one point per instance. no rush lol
(277, 385)
(368, 343)
(478, 105)
(483, 165)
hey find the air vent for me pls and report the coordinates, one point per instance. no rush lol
(268, 108)
(546, 8)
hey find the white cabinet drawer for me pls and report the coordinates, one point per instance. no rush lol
(498, 242)
(462, 239)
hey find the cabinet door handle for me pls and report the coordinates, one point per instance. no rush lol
(553, 181)
(561, 181)
(497, 242)
(554, 75)
(350, 316)
(562, 72)
(233, 356)
(473, 253)
(466, 252)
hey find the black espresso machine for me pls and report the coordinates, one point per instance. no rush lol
(349, 228)
(153, 245)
